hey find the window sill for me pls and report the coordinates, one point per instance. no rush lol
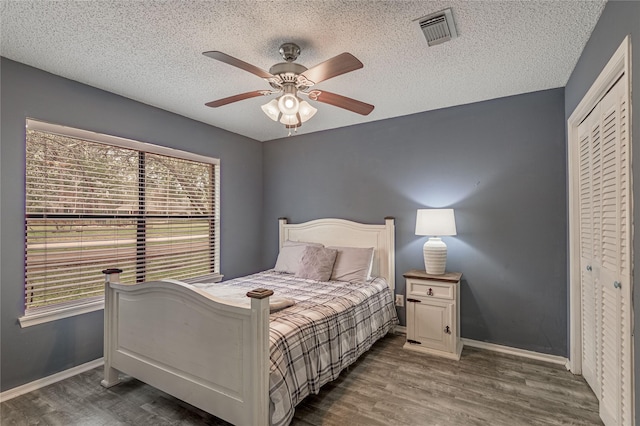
(45, 316)
(211, 278)
(36, 318)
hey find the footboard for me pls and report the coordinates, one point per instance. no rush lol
(211, 354)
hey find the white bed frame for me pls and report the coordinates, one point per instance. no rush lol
(206, 351)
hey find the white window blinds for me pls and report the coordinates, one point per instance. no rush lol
(95, 202)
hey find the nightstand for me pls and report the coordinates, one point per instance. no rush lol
(433, 314)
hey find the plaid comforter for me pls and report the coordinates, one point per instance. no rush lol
(330, 325)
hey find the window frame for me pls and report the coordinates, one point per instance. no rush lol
(71, 308)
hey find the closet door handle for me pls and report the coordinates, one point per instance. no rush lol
(617, 284)
(589, 268)
(447, 330)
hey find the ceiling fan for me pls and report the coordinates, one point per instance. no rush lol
(290, 80)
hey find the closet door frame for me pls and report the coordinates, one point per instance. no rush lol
(618, 65)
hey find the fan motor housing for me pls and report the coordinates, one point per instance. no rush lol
(287, 67)
(289, 72)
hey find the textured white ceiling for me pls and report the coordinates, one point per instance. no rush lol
(151, 51)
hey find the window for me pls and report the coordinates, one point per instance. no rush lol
(95, 201)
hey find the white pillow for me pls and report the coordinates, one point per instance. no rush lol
(290, 254)
(316, 263)
(353, 264)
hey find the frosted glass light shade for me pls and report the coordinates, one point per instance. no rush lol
(435, 222)
(290, 120)
(272, 110)
(289, 109)
(306, 111)
(288, 104)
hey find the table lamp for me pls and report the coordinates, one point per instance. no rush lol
(435, 223)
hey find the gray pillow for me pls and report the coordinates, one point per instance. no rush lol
(289, 257)
(353, 264)
(316, 263)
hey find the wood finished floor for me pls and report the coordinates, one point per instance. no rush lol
(387, 386)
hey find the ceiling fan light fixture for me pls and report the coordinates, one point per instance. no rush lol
(306, 111)
(288, 80)
(271, 109)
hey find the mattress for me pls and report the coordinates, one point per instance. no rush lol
(328, 327)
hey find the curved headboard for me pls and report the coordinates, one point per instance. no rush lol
(340, 232)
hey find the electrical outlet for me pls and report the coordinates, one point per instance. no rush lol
(399, 300)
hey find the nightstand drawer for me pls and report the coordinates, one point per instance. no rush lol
(434, 289)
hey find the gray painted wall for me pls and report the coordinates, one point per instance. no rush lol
(35, 352)
(618, 19)
(500, 164)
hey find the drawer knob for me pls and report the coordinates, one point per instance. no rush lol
(430, 292)
(447, 330)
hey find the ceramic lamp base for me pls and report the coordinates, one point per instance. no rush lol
(435, 256)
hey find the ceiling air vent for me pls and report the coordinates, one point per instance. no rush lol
(438, 27)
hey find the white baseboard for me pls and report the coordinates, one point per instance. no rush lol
(400, 329)
(553, 359)
(46, 381)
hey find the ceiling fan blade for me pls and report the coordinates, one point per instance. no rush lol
(223, 57)
(341, 64)
(236, 98)
(341, 102)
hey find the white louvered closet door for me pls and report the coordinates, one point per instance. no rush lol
(605, 256)
(590, 199)
(615, 389)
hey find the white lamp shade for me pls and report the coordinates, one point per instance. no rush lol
(288, 104)
(272, 110)
(290, 120)
(289, 109)
(306, 111)
(435, 222)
